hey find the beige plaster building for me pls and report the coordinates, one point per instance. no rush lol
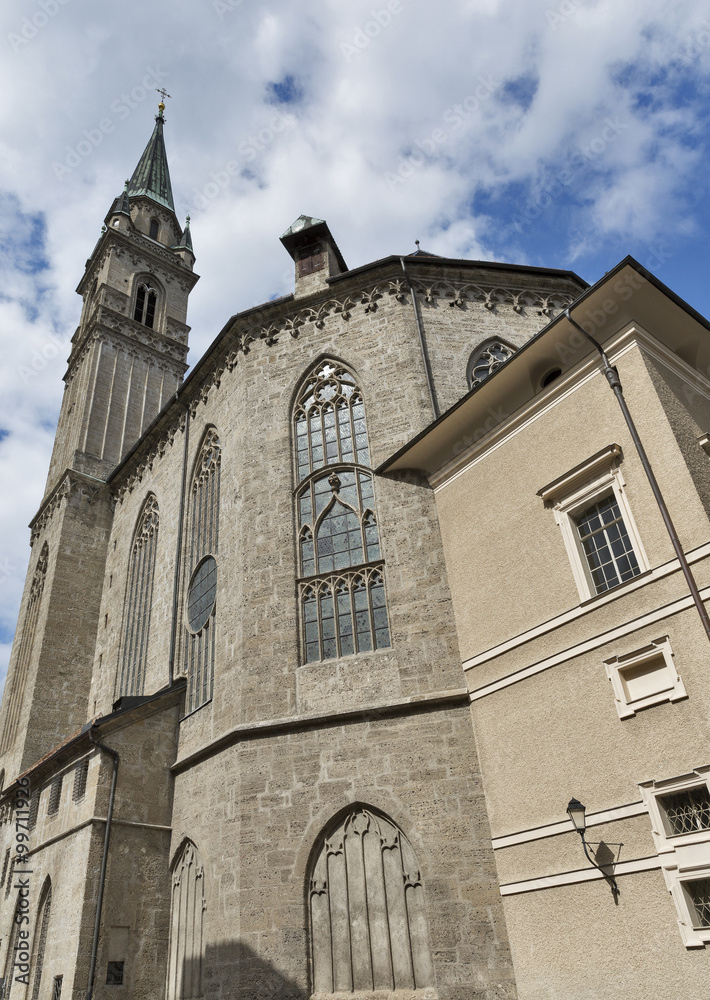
(236, 743)
(584, 655)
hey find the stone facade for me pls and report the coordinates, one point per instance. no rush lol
(221, 817)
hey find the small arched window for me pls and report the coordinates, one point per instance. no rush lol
(368, 923)
(146, 303)
(201, 564)
(139, 598)
(154, 229)
(342, 591)
(485, 360)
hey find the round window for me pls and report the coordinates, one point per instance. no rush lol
(201, 594)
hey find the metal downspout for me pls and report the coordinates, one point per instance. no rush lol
(614, 381)
(104, 860)
(178, 554)
(422, 344)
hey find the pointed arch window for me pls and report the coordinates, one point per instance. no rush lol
(201, 564)
(485, 360)
(154, 229)
(42, 924)
(139, 598)
(368, 923)
(146, 304)
(24, 657)
(342, 591)
(186, 926)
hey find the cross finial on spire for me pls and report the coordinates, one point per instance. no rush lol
(163, 94)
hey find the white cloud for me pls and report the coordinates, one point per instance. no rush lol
(516, 96)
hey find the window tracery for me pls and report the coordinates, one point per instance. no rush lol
(141, 577)
(19, 677)
(146, 304)
(203, 540)
(342, 593)
(186, 926)
(367, 909)
(41, 942)
(483, 362)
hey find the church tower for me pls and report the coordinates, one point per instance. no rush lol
(128, 353)
(128, 358)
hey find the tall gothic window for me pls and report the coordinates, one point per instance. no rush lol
(342, 591)
(22, 664)
(203, 538)
(139, 598)
(186, 926)
(486, 359)
(146, 301)
(368, 921)
(42, 925)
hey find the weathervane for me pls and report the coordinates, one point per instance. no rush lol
(163, 94)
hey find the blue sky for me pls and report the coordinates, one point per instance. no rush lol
(566, 133)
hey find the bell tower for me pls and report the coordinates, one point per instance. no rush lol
(128, 352)
(127, 358)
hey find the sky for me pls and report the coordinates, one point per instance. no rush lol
(561, 133)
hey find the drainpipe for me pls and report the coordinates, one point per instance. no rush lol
(178, 554)
(614, 381)
(422, 344)
(104, 859)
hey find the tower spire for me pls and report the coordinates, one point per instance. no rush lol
(152, 177)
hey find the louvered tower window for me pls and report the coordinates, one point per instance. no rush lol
(139, 599)
(201, 564)
(27, 640)
(146, 302)
(341, 587)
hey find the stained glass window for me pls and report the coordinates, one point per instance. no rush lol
(343, 607)
(139, 599)
(483, 362)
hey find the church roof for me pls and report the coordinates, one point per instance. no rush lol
(301, 223)
(152, 177)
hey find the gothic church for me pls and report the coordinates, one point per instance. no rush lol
(235, 712)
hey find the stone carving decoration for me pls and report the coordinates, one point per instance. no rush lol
(368, 923)
(186, 926)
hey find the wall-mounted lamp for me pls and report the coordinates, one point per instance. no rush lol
(578, 814)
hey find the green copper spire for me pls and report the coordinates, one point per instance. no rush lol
(152, 177)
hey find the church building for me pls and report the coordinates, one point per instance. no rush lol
(317, 642)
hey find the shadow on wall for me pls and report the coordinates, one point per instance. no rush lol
(232, 970)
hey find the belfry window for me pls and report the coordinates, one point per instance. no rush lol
(201, 564)
(342, 590)
(146, 301)
(139, 600)
(154, 229)
(483, 362)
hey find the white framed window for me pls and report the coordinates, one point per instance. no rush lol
(680, 822)
(598, 529)
(644, 677)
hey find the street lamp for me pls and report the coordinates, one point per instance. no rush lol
(578, 814)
